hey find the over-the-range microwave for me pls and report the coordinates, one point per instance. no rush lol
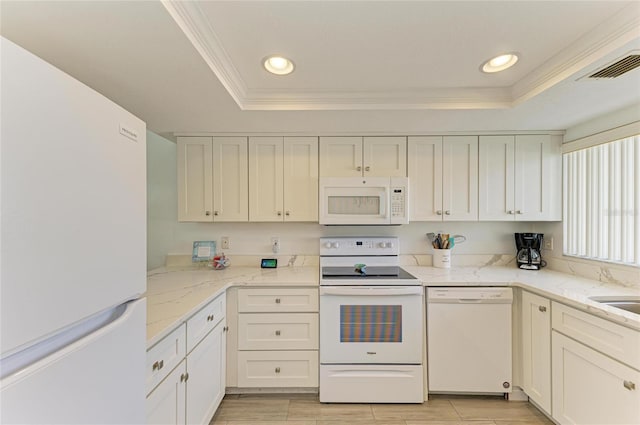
(364, 200)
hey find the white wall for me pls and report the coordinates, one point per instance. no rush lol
(167, 236)
(162, 210)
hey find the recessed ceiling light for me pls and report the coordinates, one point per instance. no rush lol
(500, 63)
(278, 65)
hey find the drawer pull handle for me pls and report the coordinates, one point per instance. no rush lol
(629, 385)
(278, 333)
(439, 212)
(542, 308)
(367, 168)
(210, 318)
(358, 168)
(277, 300)
(158, 365)
(225, 329)
(277, 370)
(447, 212)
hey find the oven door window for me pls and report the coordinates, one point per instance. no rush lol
(370, 323)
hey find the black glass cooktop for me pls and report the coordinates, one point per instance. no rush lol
(369, 272)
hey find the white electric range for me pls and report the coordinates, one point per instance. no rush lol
(371, 323)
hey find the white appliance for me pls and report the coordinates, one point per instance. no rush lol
(73, 258)
(371, 323)
(469, 340)
(364, 200)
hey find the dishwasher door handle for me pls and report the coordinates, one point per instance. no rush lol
(469, 300)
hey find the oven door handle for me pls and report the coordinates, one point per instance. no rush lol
(370, 290)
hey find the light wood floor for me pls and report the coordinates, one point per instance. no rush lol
(305, 409)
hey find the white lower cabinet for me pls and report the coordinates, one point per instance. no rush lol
(206, 381)
(166, 403)
(596, 369)
(275, 338)
(191, 392)
(591, 388)
(536, 349)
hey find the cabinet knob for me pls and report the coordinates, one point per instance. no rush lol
(518, 212)
(367, 168)
(183, 377)
(278, 333)
(629, 385)
(215, 213)
(439, 212)
(207, 213)
(510, 212)
(210, 318)
(358, 168)
(277, 300)
(287, 213)
(542, 308)
(279, 213)
(277, 370)
(158, 365)
(186, 377)
(447, 212)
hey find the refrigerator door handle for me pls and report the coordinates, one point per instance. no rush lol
(29, 359)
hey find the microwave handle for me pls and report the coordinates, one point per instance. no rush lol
(370, 290)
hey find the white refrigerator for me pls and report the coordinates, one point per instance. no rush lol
(72, 249)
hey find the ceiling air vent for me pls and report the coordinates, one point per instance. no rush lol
(618, 68)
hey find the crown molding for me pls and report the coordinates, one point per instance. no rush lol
(612, 34)
(622, 28)
(195, 25)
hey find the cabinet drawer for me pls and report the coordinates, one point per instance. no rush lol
(277, 300)
(201, 323)
(278, 369)
(278, 331)
(623, 344)
(164, 356)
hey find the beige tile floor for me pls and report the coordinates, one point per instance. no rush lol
(304, 409)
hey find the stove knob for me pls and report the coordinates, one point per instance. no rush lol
(389, 245)
(327, 245)
(335, 245)
(381, 244)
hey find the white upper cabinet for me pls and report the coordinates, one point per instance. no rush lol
(283, 179)
(520, 178)
(300, 179)
(443, 175)
(195, 183)
(230, 179)
(212, 179)
(363, 156)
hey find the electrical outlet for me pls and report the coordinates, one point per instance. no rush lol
(275, 244)
(224, 242)
(548, 243)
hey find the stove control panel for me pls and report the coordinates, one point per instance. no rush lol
(341, 246)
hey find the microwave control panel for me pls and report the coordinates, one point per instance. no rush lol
(399, 202)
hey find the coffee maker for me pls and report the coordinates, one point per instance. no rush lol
(529, 246)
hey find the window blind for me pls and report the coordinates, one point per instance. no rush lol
(602, 203)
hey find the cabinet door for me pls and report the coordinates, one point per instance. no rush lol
(166, 403)
(230, 194)
(425, 178)
(301, 179)
(591, 388)
(385, 156)
(460, 178)
(205, 386)
(265, 179)
(538, 178)
(536, 349)
(195, 199)
(341, 156)
(496, 178)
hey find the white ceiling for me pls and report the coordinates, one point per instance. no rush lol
(361, 66)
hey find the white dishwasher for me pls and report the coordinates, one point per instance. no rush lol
(469, 339)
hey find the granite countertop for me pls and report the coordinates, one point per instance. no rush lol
(568, 289)
(174, 294)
